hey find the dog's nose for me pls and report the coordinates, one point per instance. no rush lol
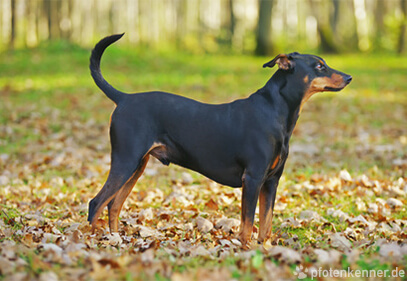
(348, 79)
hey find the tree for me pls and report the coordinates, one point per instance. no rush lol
(402, 36)
(324, 27)
(13, 25)
(263, 32)
(379, 14)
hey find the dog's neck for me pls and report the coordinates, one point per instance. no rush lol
(276, 93)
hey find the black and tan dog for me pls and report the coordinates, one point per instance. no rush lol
(240, 144)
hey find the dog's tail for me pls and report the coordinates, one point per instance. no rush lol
(113, 94)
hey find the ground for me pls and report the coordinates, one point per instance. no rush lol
(341, 204)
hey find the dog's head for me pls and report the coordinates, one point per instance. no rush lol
(310, 73)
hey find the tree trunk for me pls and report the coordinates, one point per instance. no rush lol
(402, 35)
(13, 28)
(52, 14)
(335, 16)
(379, 23)
(324, 27)
(232, 22)
(263, 34)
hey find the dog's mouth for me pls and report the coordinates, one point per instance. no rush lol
(333, 89)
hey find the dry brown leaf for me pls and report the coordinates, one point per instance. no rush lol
(212, 205)
(393, 250)
(48, 276)
(146, 215)
(345, 176)
(394, 203)
(285, 254)
(6, 266)
(328, 257)
(145, 232)
(113, 239)
(227, 224)
(340, 242)
(204, 225)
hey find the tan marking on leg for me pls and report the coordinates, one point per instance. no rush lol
(245, 234)
(94, 222)
(266, 219)
(246, 228)
(275, 162)
(121, 196)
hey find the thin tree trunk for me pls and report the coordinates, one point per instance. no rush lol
(13, 27)
(263, 34)
(379, 23)
(402, 35)
(232, 22)
(325, 32)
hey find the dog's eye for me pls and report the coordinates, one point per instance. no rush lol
(320, 66)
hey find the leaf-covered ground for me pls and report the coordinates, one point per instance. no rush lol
(341, 204)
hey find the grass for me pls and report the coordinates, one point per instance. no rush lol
(48, 95)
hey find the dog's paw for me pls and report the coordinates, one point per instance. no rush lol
(98, 225)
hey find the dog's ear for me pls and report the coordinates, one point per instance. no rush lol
(283, 61)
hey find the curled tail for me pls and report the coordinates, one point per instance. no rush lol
(113, 94)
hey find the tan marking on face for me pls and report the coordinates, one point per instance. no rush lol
(337, 81)
(306, 79)
(320, 84)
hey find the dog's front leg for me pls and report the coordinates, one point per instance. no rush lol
(266, 202)
(250, 195)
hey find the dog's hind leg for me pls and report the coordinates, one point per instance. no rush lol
(126, 167)
(117, 179)
(116, 204)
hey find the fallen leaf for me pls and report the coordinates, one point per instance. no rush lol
(146, 215)
(145, 232)
(48, 276)
(394, 203)
(340, 242)
(285, 254)
(345, 176)
(227, 224)
(393, 250)
(6, 266)
(212, 205)
(113, 239)
(204, 225)
(200, 251)
(311, 215)
(328, 257)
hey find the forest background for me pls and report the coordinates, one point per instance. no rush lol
(240, 26)
(341, 203)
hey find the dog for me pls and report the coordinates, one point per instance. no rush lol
(239, 144)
